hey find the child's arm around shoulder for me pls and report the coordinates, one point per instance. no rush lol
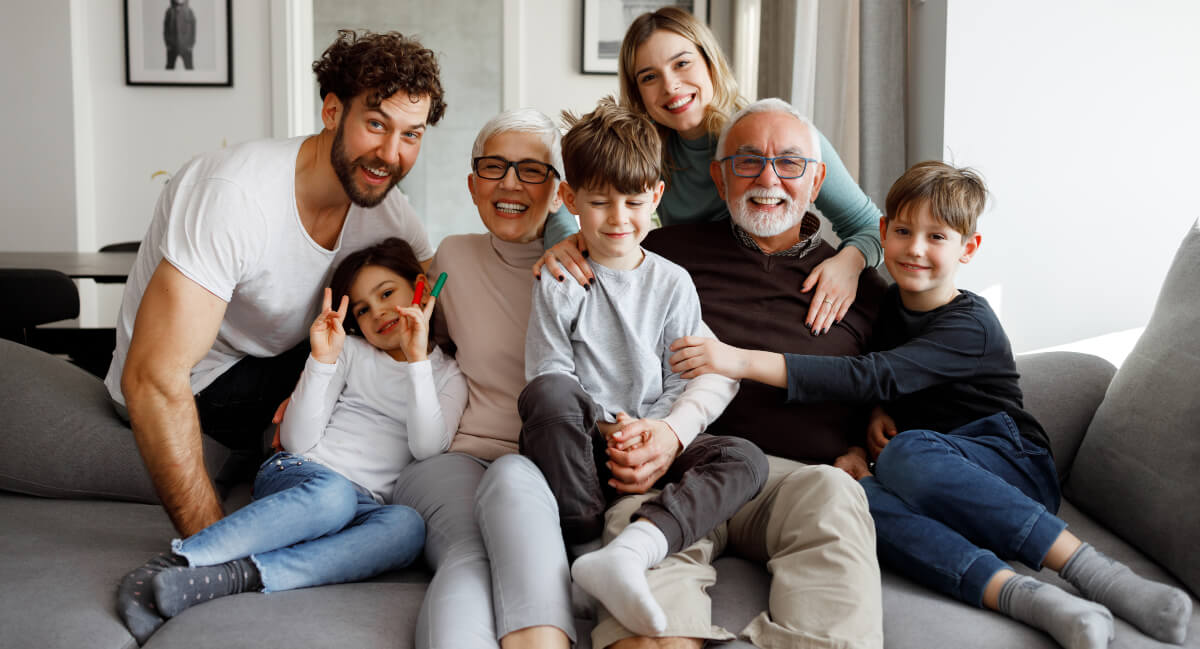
(950, 349)
(703, 355)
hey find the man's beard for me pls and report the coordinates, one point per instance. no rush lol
(344, 168)
(762, 224)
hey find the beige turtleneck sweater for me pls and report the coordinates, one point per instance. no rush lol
(484, 310)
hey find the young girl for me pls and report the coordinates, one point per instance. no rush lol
(365, 407)
(672, 69)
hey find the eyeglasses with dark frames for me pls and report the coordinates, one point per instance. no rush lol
(492, 167)
(748, 165)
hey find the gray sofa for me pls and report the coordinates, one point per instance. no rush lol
(77, 511)
(61, 557)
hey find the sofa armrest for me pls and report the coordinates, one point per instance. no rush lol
(60, 436)
(1063, 390)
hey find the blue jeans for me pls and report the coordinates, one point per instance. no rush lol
(950, 508)
(307, 526)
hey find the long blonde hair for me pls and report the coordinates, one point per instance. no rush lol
(726, 98)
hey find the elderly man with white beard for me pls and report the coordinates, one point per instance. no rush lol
(811, 520)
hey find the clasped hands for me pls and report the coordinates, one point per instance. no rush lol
(639, 452)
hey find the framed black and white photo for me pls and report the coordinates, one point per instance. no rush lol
(178, 43)
(605, 22)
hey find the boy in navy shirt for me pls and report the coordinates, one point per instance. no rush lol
(969, 482)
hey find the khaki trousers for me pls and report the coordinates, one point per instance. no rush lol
(813, 529)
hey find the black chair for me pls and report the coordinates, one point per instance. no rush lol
(36, 296)
(124, 246)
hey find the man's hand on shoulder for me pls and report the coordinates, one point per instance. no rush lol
(639, 452)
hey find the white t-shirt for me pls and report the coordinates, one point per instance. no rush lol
(228, 221)
(368, 416)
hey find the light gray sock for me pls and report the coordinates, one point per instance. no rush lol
(1160, 611)
(1075, 623)
(616, 576)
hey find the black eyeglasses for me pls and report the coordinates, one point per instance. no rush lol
(748, 165)
(492, 167)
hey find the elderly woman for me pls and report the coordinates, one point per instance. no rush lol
(492, 522)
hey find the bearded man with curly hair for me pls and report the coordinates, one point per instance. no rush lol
(212, 333)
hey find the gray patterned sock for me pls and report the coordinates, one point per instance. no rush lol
(135, 597)
(1075, 623)
(1160, 611)
(178, 588)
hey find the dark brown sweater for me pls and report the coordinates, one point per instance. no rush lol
(752, 300)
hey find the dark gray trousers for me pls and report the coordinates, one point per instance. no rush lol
(706, 484)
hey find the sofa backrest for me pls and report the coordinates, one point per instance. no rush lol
(60, 436)
(1138, 468)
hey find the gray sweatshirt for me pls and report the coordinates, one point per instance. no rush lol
(615, 337)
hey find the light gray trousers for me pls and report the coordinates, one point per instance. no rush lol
(493, 540)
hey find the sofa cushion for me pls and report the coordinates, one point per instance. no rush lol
(1137, 469)
(61, 437)
(367, 615)
(915, 617)
(61, 561)
(1064, 413)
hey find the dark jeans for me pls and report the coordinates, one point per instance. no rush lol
(236, 409)
(950, 508)
(706, 484)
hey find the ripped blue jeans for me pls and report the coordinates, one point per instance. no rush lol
(307, 526)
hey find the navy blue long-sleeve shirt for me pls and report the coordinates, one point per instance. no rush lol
(934, 370)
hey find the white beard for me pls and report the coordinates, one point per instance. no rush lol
(766, 225)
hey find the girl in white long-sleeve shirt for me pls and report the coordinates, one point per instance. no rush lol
(364, 408)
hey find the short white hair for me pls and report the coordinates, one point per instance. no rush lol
(523, 120)
(770, 105)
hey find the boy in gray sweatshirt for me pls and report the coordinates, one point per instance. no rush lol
(598, 371)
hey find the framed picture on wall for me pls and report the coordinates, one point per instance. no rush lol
(178, 43)
(605, 22)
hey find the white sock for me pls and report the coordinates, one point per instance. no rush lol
(616, 576)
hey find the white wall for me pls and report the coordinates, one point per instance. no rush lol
(1082, 118)
(547, 67)
(469, 55)
(130, 132)
(138, 130)
(37, 170)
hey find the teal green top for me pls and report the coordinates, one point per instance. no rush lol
(691, 197)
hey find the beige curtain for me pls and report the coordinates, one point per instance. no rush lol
(842, 62)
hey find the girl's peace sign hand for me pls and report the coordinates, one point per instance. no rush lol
(326, 334)
(414, 329)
